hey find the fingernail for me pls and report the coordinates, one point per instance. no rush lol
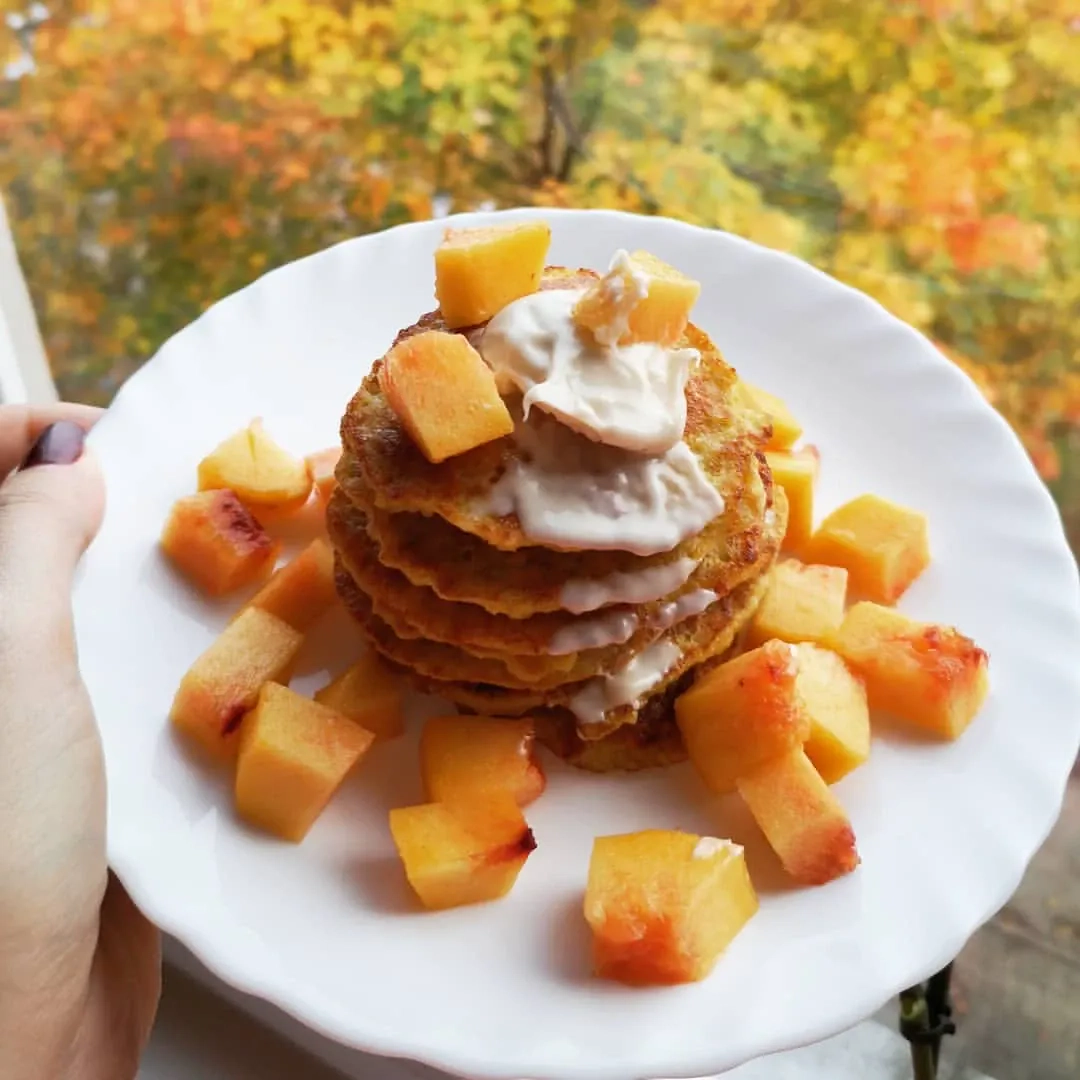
(59, 444)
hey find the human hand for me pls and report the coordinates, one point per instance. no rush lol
(80, 968)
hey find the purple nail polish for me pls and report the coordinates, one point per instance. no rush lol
(59, 444)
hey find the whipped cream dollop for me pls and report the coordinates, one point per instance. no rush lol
(570, 492)
(628, 396)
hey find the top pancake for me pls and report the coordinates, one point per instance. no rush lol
(381, 457)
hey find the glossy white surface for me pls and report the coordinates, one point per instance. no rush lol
(327, 930)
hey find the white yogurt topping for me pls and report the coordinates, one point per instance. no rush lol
(625, 286)
(599, 696)
(708, 846)
(633, 587)
(570, 492)
(683, 607)
(630, 396)
(612, 628)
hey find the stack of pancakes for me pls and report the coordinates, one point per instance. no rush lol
(472, 609)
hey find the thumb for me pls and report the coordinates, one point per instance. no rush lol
(50, 510)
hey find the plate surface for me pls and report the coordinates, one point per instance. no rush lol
(327, 930)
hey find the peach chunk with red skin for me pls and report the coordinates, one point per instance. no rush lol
(264, 476)
(444, 394)
(462, 853)
(801, 818)
(479, 271)
(214, 540)
(368, 693)
(463, 757)
(663, 905)
(742, 713)
(929, 675)
(303, 589)
(293, 755)
(224, 682)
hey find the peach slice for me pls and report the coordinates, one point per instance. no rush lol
(639, 299)
(369, 694)
(214, 540)
(801, 603)
(663, 905)
(444, 394)
(322, 465)
(479, 271)
(463, 757)
(796, 472)
(462, 853)
(222, 685)
(835, 702)
(263, 475)
(302, 590)
(293, 756)
(801, 818)
(785, 428)
(741, 713)
(883, 547)
(930, 675)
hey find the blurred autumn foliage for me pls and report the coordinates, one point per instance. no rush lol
(158, 154)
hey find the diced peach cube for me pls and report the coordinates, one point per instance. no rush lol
(785, 428)
(294, 754)
(222, 685)
(462, 853)
(640, 298)
(835, 702)
(465, 757)
(663, 905)
(302, 590)
(801, 818)
(796, 472)
(479, 271)
(883, 547)
(263, 475)
(801, 603)
(322, 465)
(741, 713)
(927, 674)
(444, 394)
(216, 542)
(369, 694)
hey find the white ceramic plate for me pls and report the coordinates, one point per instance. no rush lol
(327, 930)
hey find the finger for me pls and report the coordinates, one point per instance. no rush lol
(21, 425)
(48, 515)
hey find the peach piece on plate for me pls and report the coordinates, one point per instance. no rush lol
(835, 702)
(222, 685)
(639, 299)
(741, 713)
(293, 756)
(796, 472)
(214, 540)
(663, 905)
(462, 853)
(479, 271)
(444, 394)
(322, 465)
(801, 603)
(303, 589)
(883, 547)
(262, 474)
(463, 757)
(930, 675)
(801, 818)
(369, 694)
(785, 428)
